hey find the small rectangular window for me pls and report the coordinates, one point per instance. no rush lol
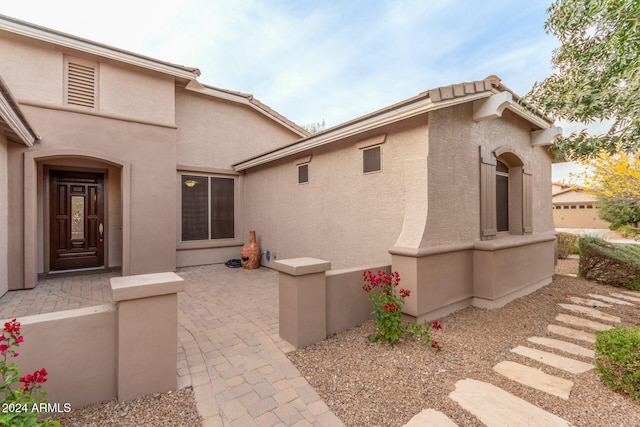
(589, 206)
(573, 206)
(565, 207)
(371, 161)
(303, 174)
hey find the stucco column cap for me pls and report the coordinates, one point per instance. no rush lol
(145, 285)
(302, 266)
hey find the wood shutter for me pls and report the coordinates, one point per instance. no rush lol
(527, 202)
(488, 225)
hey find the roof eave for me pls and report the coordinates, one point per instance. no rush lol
(418, 106)
(16, 126)
(247, 100)
(61, 39)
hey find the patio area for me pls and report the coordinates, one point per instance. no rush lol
(229, 348)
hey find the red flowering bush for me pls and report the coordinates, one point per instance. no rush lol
(19, 406)
(387, 308)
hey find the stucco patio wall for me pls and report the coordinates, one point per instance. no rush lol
(316, 302)
(124, 349)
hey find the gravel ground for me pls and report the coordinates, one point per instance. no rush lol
(160, 409)
(370, 384)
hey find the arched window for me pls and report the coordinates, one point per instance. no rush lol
(505, 193)
(502, 196)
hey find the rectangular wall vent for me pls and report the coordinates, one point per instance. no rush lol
(81, 84)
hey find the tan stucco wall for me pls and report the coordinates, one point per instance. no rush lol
(341, 215)
(151, 191)
(454, 180)
(215, 133)
(4, 217)
(35, 73)
(212, 135)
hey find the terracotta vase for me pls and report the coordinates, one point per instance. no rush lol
(250, 253)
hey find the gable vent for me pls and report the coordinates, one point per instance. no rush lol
(81, 84)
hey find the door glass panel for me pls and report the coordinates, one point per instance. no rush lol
(77, 218)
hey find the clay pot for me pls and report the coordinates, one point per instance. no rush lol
(250, 253)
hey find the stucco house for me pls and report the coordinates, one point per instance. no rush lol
(97, 145)
(113, 159)
(575, 208)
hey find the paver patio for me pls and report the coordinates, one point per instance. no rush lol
(229, 348)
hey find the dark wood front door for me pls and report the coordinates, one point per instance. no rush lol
(77, 220)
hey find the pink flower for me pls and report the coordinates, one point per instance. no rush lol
(405, 293)
(19, 339)
(436, 325)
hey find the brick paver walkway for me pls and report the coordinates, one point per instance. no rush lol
(229, 349)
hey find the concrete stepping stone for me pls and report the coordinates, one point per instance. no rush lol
(609, 299)
(498, 408)
(588, 302)
(535, 378)
(572, 333)
(566, 364)
(625, 297)
(591, 312)
(567, 347)
(632, 293)
(579, 321)
(431, 418)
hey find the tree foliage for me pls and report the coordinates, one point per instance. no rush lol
(615, 181)
(597, 74)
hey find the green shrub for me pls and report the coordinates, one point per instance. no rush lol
(566, 243)
(617, 265)
(628, 231)
(618, 359)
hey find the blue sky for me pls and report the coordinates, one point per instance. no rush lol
(331, 60)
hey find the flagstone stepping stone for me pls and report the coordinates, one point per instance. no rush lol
(588, 302)
(625, 297)
(535, 378)
(567, 347)
(431, 418)
(498, 408)
(566, 364)
(591, 312)
(579, 321)
(609, 299)
(572, 333)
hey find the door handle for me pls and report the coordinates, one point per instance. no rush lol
(101, 230)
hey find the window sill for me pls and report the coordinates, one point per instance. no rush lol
(503, 241)
(208, 244)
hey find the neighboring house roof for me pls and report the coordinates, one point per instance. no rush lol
(248, 100)
(573, 194)
(430, 100)
(13, 123)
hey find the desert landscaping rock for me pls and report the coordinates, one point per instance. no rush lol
(498, 408)
(564, 346)
(632, 293)
(591, 312)
(535, 378)
(566, 364)
(572, 333)
(582, 323)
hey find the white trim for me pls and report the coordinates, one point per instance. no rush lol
(86, 46)
(15, 123)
